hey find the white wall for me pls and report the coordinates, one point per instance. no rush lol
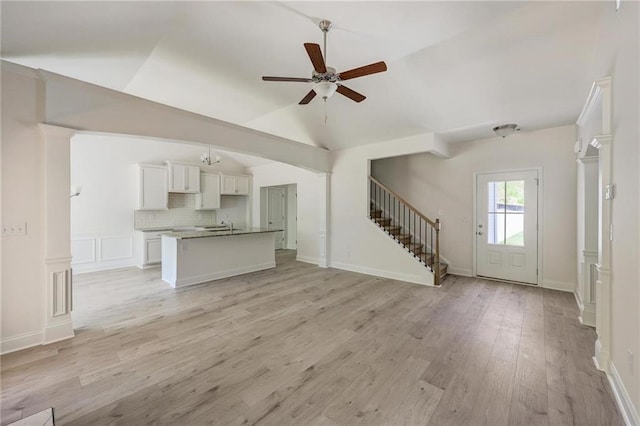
(308, 205)
(618, 56)
(23, 272)
(357, 244)
(102, 218)
(434, 185)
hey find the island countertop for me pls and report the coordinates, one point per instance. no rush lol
(185, 235)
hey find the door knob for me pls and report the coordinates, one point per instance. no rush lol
(479, 232)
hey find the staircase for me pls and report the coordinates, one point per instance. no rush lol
(410, 228)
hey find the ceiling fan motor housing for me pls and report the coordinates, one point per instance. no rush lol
(330, 75)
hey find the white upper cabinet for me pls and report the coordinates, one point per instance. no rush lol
(235, 185)
(153, 192)
(183, 177)
(209, 197)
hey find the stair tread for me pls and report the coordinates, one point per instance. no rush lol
(405, 239)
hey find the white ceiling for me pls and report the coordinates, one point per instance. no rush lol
(455, 68)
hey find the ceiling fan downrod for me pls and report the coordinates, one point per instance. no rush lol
(325, 26)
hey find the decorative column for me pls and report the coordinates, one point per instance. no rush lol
(605, 235)
(57, 255)
(588, 251)
(324, 215)
(600, 99)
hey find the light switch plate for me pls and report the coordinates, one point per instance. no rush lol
(609, 192)
(14, 229)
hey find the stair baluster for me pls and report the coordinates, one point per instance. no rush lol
(410, 228)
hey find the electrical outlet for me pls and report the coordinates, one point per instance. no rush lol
(14, 229)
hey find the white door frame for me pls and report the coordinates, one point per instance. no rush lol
(540, 210)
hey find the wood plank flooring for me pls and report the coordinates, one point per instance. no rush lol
(301, 345)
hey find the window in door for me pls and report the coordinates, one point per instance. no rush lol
(505, 221)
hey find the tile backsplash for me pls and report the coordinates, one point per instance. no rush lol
(181, 213)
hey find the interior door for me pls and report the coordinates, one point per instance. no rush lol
(276, 214)
(507, 226)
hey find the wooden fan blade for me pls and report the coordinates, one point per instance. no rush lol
(362, 71)
(351, 94)
(296, 79)
(307, 98)
(315, 54)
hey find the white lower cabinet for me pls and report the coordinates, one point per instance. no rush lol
(150, 248)
(153, 251)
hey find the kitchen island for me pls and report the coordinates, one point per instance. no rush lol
(194, 257)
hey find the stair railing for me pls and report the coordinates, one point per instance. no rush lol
(416, 232)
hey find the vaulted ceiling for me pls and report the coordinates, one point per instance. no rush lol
(455, 68)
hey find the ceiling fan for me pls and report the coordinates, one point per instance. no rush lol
(327, 80)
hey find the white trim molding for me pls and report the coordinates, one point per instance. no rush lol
(599, 88)
(307, 259)
(463, 272)
(600, 97)
(20, 342)
(426, 279)
(623, 399)
(58, 287)
(558, 285)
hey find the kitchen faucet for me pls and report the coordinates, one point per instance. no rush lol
(228, 223)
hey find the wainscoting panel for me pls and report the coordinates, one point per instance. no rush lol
(116, 248)
(83, 250)
(92, 253)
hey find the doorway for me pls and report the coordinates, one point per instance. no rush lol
(506, 226)
(276, 214)
(278, 210)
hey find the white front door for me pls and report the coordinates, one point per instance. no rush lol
(507, 226)
(276, 213)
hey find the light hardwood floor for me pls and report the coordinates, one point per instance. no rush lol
(300, 345)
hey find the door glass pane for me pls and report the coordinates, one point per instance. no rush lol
(514, 225)
(514, 196)
(496, 191)
(505, 222)
(495, 228)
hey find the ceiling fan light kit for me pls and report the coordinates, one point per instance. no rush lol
(325, 89)
(327, 80)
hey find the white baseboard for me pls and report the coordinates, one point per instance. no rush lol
(463, 272)
(151, 266)
(199, 279)
(558, 285)
(427, 279)
(587, 314)
(58, 331)
(22, 341)
(625, 404)
(307, 259)
(83, 268)
(578, 300)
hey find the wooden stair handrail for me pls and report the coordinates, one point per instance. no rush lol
(435, 224)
